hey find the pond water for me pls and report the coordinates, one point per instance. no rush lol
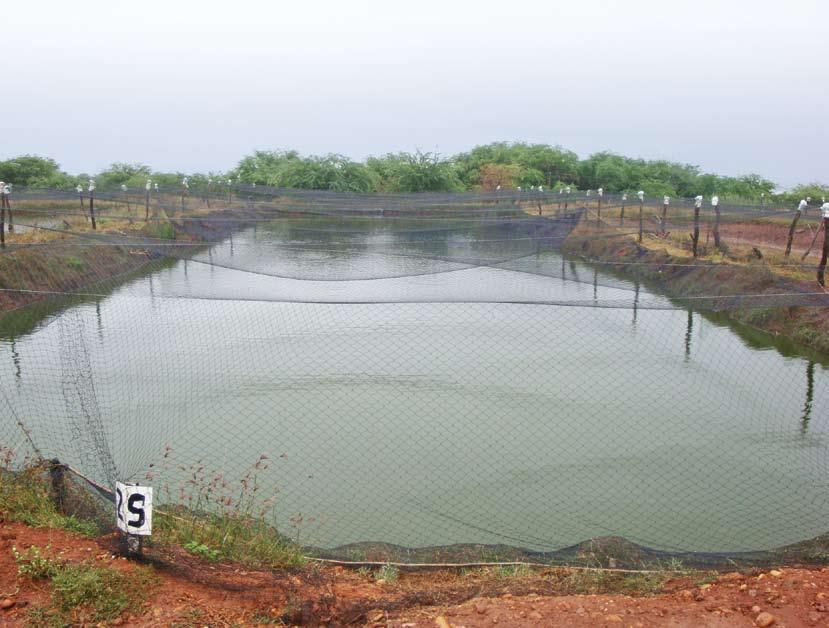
(412, 409)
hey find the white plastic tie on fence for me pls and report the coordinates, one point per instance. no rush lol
(641, 195)
(91, 185)
(715, 200)
(824, 210)
(698, 202)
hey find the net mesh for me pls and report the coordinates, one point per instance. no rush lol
(430, 377)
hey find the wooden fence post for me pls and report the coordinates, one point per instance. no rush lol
(821, 269)
(641, 195)
(715, 202)
(2, 214)
(622, 213)
(147, 187)
(92, 203)
(792, 227)
(822, 266)
(7, 192)
(599, 206)
(666, 200)
(695, 237)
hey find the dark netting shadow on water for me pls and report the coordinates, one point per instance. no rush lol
(430, 378)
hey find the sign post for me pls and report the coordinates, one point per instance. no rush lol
(134, 515)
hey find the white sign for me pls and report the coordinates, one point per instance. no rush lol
(134, 507)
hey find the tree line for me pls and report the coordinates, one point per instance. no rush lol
(504, 165)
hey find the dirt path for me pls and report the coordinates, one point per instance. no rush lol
(191, 592)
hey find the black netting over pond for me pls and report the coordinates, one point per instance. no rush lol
(430, 378)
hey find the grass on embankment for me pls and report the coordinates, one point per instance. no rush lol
(83, 593)
(668, 264)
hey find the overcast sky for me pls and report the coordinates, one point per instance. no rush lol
(735, 86)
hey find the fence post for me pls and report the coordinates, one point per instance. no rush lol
(7, 192)
(822, 267)
(715, 202)
(147, 187)
(666, 200)
(79, 190)
(57, 474)
(92, 203)
(567, 198)
(695, 237)
(599, 206)
(2, 215)
(641, 195)
(792, 227)
(622, 213)
(185, 190)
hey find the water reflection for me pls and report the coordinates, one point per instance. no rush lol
(635, 303)
(810, 393)
(689, 330)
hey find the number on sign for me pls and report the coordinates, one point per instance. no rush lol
(134, 505)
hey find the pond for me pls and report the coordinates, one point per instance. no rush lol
(422, 396)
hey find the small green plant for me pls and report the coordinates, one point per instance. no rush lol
(514, 571)
(75, 263)
(32, 564)
(86, 593)
(388, 573)
(365, 572)
(200, 549)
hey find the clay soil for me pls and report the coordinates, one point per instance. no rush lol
(192, 592)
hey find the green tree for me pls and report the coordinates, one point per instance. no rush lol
(415, 172)
(33, 171)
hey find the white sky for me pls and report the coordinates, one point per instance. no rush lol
(735, 86)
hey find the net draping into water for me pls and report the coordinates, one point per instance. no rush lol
(449, 377)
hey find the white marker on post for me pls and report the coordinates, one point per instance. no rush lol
(134, 509)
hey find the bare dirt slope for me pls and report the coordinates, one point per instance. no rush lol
(192, 592)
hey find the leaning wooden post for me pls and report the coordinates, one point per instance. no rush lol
(809, 250)
(641, 195)
(715, 203)
(622, 213)
(798, 213)
(824, 212)
(92, 203)
(695, 237)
